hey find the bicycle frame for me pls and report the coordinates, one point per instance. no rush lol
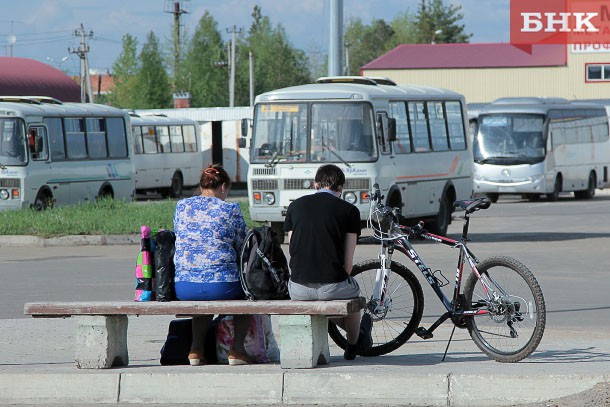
(455, 308)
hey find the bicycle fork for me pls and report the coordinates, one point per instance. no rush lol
(380, 303)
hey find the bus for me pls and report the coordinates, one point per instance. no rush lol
(166, 154)
(54, 153)
(540, 146)
(410, 140)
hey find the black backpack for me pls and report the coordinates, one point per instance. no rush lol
(264, 269)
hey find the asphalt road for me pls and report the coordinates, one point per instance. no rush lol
(564, 243)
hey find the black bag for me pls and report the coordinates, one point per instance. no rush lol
(164, 265)
(177, 346)
(264, 269)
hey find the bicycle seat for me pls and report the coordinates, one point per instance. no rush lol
(472, 205)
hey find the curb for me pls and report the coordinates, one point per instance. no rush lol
(72, 240)
(291, 387)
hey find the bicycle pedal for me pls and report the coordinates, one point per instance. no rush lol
(424, 333)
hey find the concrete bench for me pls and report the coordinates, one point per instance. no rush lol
(101, 327)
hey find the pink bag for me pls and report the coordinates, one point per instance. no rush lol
(260, 342)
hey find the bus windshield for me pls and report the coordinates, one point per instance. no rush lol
(12, 142)
(336, 132)
(509, 139)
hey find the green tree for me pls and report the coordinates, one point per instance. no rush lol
(124, 73)
(205, 66)
(276, 62)
(366, 42)
(153, 89)
(404, 30)
(436, 22)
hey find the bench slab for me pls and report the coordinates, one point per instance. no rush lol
(101, 327)
(275, 307)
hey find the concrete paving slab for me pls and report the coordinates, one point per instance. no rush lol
(37, 364)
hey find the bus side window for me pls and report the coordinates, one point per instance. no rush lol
(37, 143)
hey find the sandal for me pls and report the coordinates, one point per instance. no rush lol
(238, 358)
(196, 359)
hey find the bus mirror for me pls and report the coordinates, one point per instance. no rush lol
(391, 129)
(241, 142)
(245, 123)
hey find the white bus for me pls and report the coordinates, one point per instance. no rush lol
(166, 154)
(411, 140)
(54, 153)
(541, 146)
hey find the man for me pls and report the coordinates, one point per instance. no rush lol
(323, 230)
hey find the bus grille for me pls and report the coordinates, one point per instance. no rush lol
(264, 184)
(296, 183)
(263, 171)
(357, 183)
(9, 183)
(350, 183)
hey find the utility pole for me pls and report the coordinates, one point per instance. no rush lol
(335, 38)
(233, 30)
(177, 9)
(82, 52)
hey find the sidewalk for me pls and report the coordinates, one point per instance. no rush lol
(37, 367)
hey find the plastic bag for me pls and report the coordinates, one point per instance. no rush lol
(145, 268)
(260, 341)
(164, 265)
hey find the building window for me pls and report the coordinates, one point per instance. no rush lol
(598, 72)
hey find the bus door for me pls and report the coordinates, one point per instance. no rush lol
(39, 166)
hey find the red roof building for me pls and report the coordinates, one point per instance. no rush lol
(28, 77)
(440, 56)
(485, 72)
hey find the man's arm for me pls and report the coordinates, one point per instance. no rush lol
(350, 247)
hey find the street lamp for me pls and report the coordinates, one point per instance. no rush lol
(434, 34)
(61, 61)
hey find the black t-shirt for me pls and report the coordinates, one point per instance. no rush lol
(319, 223)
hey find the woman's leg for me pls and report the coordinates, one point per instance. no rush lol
(200, 325)
(241, 324)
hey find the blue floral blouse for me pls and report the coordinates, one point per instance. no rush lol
(209, 235)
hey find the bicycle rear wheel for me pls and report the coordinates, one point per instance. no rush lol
(397, 321)
(516, 314)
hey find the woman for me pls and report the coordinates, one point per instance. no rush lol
(209, 235)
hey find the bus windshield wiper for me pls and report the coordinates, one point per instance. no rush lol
(273, 160)
(327, 148)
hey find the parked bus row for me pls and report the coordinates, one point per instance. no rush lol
(411, 140)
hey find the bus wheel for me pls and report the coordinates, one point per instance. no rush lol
(105, 192)
(278, 228)
(440, 223)
(43, 201)
(175, 191)
(493, 197)
(553, 196)
(588, 193)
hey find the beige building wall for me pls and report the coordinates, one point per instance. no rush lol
(481, 85)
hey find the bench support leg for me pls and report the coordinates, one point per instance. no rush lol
(303, 341)
(101, 341)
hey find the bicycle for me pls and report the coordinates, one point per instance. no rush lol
(500, 304)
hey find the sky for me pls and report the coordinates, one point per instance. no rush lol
(44, 30)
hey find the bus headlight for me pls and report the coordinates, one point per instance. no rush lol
(537, 178)
(4, 194)
(269, 198)
(350, 197)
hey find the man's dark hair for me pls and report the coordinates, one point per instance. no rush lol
(330, 176)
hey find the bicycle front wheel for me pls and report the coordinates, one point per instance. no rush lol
(515, 317)
(394, 322)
